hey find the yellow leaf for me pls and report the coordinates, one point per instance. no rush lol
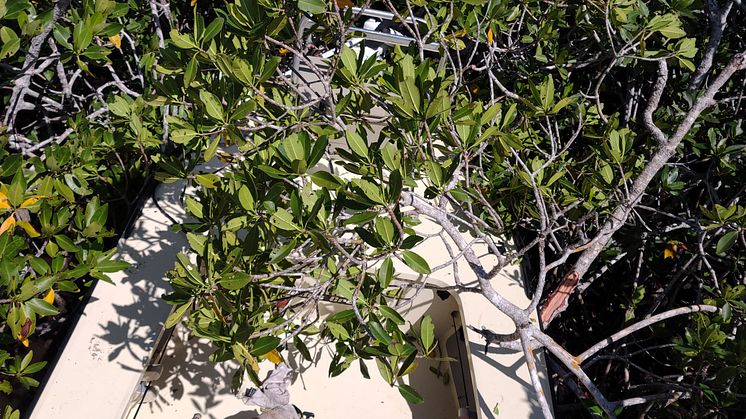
(4, 203)
(49, 297)
(283, 51)
(116, 40)
(273, 356)
(23, 340)
(31, 201)
(490, 36)
(670, 250)
(30, 230)
(9, 223)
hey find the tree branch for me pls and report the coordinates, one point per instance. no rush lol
(655, 97)
(528, 354)
(641, 325)
(618, 217)
(718, 20)
(22, 83)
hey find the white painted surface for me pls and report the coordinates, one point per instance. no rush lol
(103, 361)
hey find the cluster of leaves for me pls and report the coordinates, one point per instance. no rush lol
(267, 221)
(71, 172)
(53, 236)
(281, 212)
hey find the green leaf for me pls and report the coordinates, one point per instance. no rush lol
(338, 331)
(427, 333)
(11, 42)
(410, 394)
(461, 195)
(212, 148)
(212, 29)
(408, 365)
(371, 190)
(410, 93)
(357, 144)
(606, 172)
(379, 332)
(42, 307)
(547, 93)
(235, 280)
(109, 266)
(82, 35)
(190, 72)
(182, 135)
(349, 60)
(77, 184)
(197, 242)
(66, 243)
(177, 314)
(726, 242)
(17, 189)
(318, 150)
(562, 104)
(181, 40)
(313, 7)
(668, 25)
(391, 314)
(10, 48)
(35, 367)
(269, 69)
(341, 316)
(190, 269)
(213, 107)
(385, 229)
(727, 312)
(294, 148)
(26, 361)
(385, 371)
(246, 198)
(284, 220)
(194, 207)
(385, 273)
(391, 156)
(272, 172)
(264, 344)
(673, 32)
(416, 262)
(434, 172)
(439, 105)
(685, 63)
(509, 117)
(325, 180)
(207, 180)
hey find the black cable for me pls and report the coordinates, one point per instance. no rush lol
(460, 358)
(160, 358)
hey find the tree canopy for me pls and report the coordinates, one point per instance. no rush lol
(598, 144)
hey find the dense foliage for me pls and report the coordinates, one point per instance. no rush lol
(70, 174)
(604, 139)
